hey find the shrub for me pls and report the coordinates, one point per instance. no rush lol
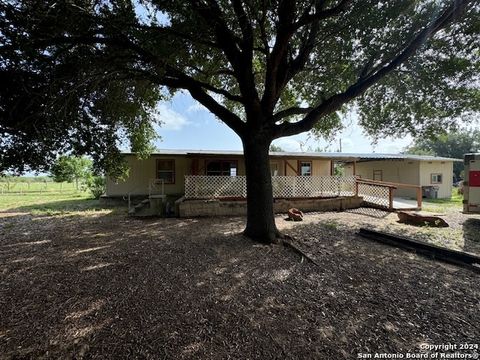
(96, 185)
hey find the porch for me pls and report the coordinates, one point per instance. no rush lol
(226, 195)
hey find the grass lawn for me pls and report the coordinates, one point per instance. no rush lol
(49, 203)
(444, 205)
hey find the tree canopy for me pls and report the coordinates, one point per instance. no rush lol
(71, 168)
(81, 75)
(453, 144)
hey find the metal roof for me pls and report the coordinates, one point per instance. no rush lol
(321, 155)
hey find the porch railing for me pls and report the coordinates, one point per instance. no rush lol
(208, 187)
(381, 193)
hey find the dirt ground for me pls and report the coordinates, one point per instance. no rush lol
(100, 285)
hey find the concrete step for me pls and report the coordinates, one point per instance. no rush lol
(143, 205)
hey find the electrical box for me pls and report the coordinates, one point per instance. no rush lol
(471, 185)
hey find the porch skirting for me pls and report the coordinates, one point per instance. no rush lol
(219, 207)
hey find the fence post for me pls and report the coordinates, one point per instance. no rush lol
(419, 198)
(390, 198)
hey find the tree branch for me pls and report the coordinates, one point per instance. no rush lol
(242, 62)
(291, 111)
(278, 56)
(245, 25)
(336, 101)
(229, 118)
(308, 18)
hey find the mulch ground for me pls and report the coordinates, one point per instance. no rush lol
(108, 286)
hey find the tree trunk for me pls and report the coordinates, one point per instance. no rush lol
(260, 218)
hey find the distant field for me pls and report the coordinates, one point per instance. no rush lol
(47, 202)
(25, 187)
(41, 195)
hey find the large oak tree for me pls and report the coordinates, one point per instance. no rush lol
(79, 75)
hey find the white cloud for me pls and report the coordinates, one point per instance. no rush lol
(196, 107)
(170, 119)
(288, 144)
(347, 145)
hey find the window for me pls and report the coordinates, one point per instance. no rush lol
(166, 171)
(436, 178)
(221, 168)
(378, 175)
(305, 168)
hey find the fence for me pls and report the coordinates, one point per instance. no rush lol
(381, 194)
(376, 194)
(34, 187)
(207, 187)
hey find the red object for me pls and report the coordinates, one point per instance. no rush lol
(474, 179)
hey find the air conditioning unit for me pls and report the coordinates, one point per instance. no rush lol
(471, 184)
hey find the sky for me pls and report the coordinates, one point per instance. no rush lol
(188, 125)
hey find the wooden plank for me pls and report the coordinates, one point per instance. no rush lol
(432, 251)
(419, 198)
(386, 183)
(291, 167)
(390, 198)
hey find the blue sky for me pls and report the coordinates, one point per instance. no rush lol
(188, 125)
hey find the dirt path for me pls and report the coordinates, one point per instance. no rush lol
(106, 286)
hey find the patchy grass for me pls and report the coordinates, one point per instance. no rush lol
(49, 203)
(331, 224)
(444, 205)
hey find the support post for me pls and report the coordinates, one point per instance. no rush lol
(390, 198)
(419, 198)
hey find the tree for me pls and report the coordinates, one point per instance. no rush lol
(276, 148)
(71, 169)
(267, 69)
(453, 144)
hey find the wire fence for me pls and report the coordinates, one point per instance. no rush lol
(35, 187)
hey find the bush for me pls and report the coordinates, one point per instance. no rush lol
(96, 185)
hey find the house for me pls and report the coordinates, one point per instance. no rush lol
(164, 172)
(171, 166)
(430, 172)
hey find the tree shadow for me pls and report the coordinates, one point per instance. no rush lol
(471, 235)
(63, 207)
(371, 212)
(74, 283)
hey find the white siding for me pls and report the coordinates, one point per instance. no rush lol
(427, 168)
(143, 171)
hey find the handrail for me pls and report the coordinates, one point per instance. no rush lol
(391, 188)
(387, 183)
(153, 183)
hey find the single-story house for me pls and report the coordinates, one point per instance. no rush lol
(167, 169)
(426, 171)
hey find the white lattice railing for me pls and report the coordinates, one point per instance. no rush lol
(207, 187)
(381, 193)
(377, 195)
